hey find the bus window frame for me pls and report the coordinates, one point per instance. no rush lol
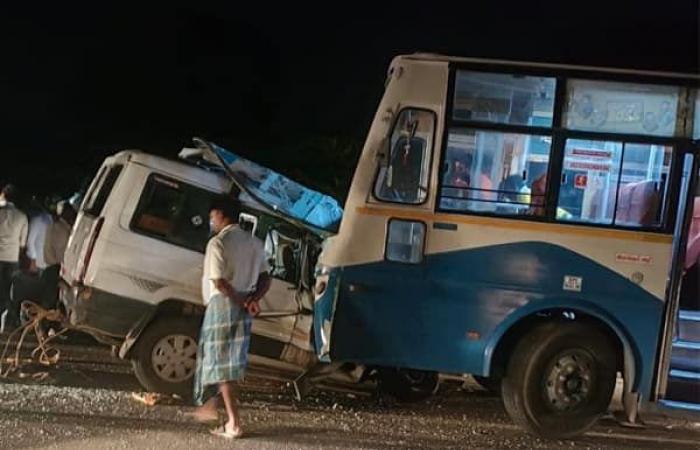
(560, 134)
(394, 122)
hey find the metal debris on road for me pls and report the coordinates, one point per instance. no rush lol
(155, 398)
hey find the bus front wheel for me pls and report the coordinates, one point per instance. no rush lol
(407, 385)
(560, 379)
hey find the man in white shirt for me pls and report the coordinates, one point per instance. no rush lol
(57, 235)
(38, 226)
(54, 248)
(235, 279)
(27, 285)
(13, 239)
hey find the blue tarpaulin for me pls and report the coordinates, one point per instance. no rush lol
(281, 194)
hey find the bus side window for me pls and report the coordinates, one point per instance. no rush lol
(495, 172)
(403, 177)
(614, 183)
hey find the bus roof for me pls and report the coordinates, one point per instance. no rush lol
(549, 66)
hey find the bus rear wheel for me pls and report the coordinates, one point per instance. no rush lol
(560, 379)
(407, 385)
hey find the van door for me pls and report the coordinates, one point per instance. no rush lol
(284, 254)
(280, 307)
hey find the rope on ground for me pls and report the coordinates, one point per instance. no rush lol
(44, 353)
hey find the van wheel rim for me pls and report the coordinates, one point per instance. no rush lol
(174, 358)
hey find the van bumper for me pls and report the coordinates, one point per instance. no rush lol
(106, 316)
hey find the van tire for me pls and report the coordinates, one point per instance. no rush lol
(407, 385)
(536, 396)
(163, 336)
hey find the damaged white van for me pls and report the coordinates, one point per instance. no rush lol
(131, 275)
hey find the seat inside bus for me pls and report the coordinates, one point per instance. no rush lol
(638, 204)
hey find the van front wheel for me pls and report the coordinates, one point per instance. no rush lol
(164, 358)
(560, 379)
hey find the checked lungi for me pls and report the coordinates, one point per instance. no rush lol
(222, 354)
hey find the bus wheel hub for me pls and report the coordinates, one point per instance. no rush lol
(568, 381)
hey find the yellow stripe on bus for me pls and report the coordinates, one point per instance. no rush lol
(517, 224)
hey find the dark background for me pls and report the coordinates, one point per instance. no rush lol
(293, 87)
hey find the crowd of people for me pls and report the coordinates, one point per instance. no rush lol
(33, 239)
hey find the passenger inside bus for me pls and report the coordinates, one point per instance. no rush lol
(476, 162)
(458, 172)
(602, 182)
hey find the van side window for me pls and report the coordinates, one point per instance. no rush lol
(284, 252)
(97, 197)
(495, 172)
(174, 212)
(403, 175)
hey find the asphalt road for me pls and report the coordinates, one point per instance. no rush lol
(86, 403)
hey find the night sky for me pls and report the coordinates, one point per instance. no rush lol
(79, 83)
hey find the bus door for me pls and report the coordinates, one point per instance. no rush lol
(680, 365)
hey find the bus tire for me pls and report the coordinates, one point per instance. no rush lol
(164, 357)
(560, 379)
(407, 385)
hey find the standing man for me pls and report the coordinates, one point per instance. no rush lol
(235, 279)
(13, 240)
(26, 285)
(38, 226)
(54, 248)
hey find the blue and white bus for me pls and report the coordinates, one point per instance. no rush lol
(525, 223)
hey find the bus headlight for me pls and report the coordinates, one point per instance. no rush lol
(321, 286)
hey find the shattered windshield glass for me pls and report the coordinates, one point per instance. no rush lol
(280, 193)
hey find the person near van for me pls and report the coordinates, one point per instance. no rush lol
(236, 276)
(27, 284)
(54, 248)
(42, 287)
(38, 226)
(13, 240)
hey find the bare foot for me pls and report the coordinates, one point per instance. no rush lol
(202, 415)
(228, 431)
